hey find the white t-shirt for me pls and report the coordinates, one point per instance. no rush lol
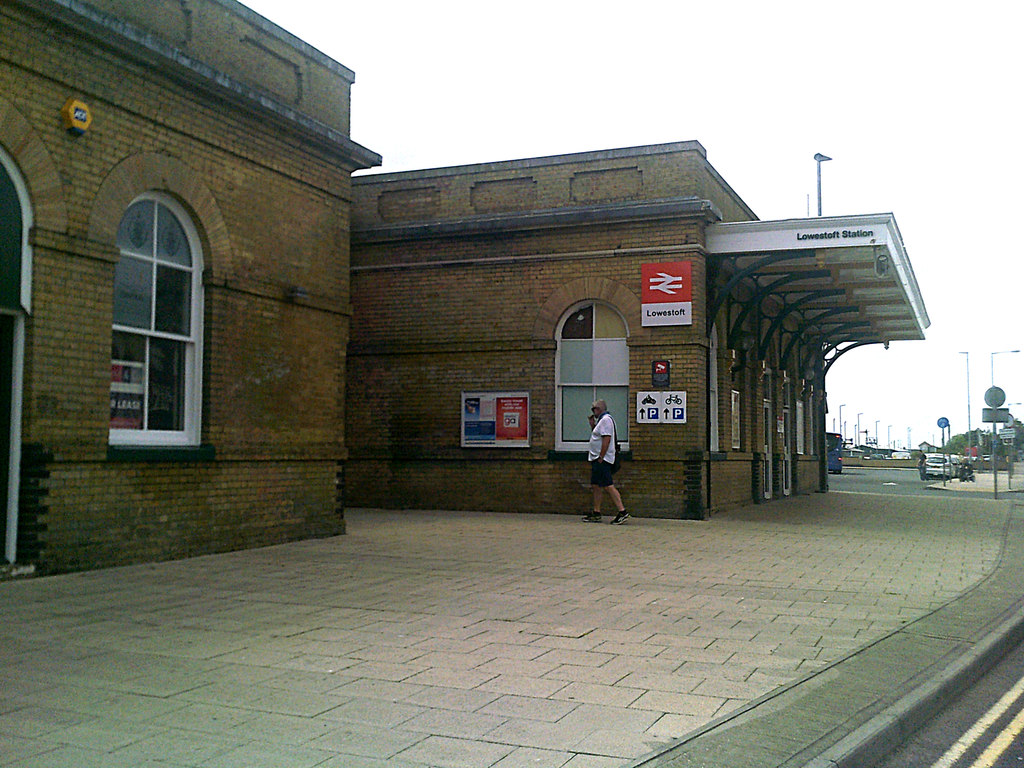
(604, 426)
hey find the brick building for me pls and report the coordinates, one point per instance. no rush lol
(191, 362)
(529, 288)
(174, 184)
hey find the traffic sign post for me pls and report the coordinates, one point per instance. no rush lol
(943, 425)
(995, 414)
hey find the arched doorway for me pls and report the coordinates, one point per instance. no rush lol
(15, 284)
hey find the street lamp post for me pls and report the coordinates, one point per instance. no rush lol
(992, 361)
(888, 438)
(857, 444)
(968, 361)
(876, 432)
(842, 424)
(819, 159)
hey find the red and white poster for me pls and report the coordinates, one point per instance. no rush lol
(513, 419)
(495, 419)
(127, 389)
(666, 293)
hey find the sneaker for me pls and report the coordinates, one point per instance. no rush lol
(592, 518)
(620, 518)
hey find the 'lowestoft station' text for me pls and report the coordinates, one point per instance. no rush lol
(835, 235)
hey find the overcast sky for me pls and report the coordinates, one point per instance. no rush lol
(917, 103)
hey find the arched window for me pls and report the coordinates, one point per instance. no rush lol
(156, 352)
(592, 364)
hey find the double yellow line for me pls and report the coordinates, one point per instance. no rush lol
(1000, 744)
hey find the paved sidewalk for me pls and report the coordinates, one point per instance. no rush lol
(985, 482)
(469, 640)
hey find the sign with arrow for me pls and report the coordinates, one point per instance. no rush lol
(666, 293)
(661, 407)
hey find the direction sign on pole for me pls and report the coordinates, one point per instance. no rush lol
(994, 415)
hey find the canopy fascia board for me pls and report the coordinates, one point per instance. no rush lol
(835, 241)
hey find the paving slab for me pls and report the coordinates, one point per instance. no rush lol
(865, 704)
(494, 640)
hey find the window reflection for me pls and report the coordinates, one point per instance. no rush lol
(593, 364)
(155, 334)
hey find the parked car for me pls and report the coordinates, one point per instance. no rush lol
(939, 467)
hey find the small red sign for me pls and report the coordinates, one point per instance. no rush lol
(666, 283)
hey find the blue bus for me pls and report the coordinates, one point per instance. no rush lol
(834, 450)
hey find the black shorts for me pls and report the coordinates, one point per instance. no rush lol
(601, 474)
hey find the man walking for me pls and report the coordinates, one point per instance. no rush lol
(602, 455)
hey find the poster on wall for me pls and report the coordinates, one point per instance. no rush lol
(495, 419)
(127, 388)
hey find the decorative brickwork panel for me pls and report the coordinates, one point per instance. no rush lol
(605, 186)
(248, 48)
(660, 172)
(504, 195)
(409, 204)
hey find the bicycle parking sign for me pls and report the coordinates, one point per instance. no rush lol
(661, 407)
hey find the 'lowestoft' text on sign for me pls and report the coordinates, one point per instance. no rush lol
(837, 234)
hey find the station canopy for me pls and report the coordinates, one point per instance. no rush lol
(841, 279)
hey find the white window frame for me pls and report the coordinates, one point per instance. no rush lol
(623, 435)
(190, 434)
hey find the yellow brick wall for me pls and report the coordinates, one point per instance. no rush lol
(232, 39)
(456, 288)
(109, 513)
(485, 319)
(655, 173)
(270, 203)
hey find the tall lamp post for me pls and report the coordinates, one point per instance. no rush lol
(857, 444)
(968, 361)
(819, 159)
(842, 426)
(992, 361)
